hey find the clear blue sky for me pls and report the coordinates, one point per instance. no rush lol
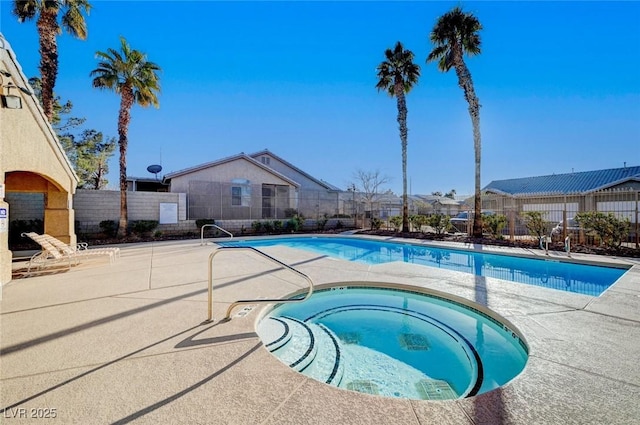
(559, 84)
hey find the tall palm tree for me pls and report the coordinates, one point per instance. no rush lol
(72, 21)
(128, 73)
(454, 35)
(397, 75)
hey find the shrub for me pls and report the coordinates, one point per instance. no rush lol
(417, 221)
(256, 226)
(396, 222)
(607, 227)
(294, 224)
(267, 226)
(439, 222)
(376, 223)
(536, 225)
(157, 234)
(494, 224)
(339, 225)
(277, 226)
(322, 222)
(109, 228)
(142, 227)
(202, 221)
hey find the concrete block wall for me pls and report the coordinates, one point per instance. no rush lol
(25, 206)
(93, 206)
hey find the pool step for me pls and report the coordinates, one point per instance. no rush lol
(305, 346)
(327, 366)
(300, 350)
(274, 333)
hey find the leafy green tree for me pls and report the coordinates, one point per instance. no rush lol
(129, 74)
(607, 227)
(53, 17)
(454, 35)
(397, 75)
(494, 224)
(439, 222)
(89, 153)
(417, 221)
(92, 159)
(536, 224)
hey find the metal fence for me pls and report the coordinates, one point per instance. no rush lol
(237, 201)
(560, 210)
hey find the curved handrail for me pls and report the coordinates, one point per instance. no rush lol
(236, 303)
(212, 225)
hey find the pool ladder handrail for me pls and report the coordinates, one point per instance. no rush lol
(217, 227)
(251, 301)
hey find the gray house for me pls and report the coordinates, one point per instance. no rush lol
(257, 186)
(561, 196)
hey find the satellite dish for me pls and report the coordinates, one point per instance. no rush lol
(154, 169)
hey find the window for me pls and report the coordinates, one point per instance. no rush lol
(265, 160)
(240, 192)
(236, 195)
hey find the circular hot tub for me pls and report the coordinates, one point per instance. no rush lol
(395, 341)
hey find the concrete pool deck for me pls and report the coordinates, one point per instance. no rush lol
(126, 343)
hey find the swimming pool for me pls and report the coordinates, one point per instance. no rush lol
(566, 276)
(393, 341)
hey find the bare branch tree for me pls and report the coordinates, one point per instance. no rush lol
(369, 184)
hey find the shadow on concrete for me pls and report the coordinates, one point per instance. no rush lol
(495, 415)
(159, 404)
(79, 328)
(133, 353)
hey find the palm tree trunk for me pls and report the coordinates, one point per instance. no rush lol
(124, 117)
(47, 31)
(466, 83)
(402, 123)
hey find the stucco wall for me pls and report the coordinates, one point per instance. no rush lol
(225, 172)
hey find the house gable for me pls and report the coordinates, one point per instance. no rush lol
(284, 167)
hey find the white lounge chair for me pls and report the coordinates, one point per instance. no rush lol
(80, 250)
(48, 256)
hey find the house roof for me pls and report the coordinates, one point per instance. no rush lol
(290, 165)
(562, 184)
(242, 155)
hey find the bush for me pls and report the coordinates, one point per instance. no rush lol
(294, 224)
(322, 222)
(256, 226)
(109, 228)
(494, 224)
(277, 226)
(142, 227)
(267, 226)
(202, 221)
(610, 230)
(376, 223)
(396, 222)
(417, 221)
(339, 225)
(536, 225)
(439, 222)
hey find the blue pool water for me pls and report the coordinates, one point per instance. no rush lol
(565, 276)
(395, 343)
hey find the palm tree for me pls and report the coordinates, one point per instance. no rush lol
(129, 74)
(397, 75)
(454, 35)
(72, 21)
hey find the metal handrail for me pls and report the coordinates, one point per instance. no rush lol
(212, 225)
(236, 303)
